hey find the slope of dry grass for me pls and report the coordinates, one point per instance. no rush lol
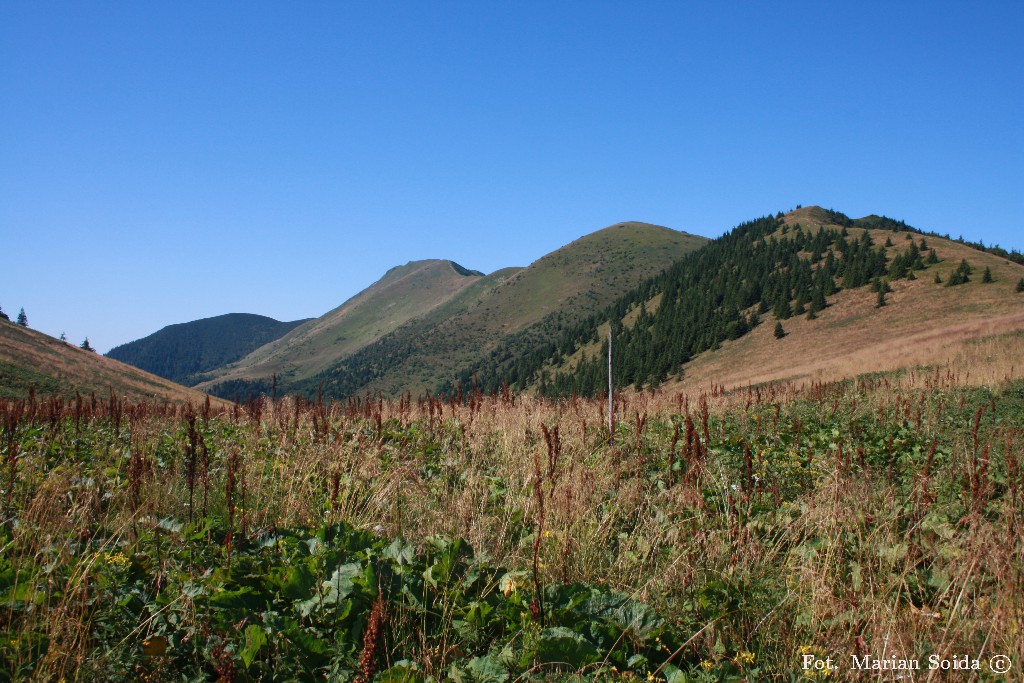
(32, 360)
(976, 325)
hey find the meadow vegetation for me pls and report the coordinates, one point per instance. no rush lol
(712, 537)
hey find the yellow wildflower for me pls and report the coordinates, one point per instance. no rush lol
(117, 559)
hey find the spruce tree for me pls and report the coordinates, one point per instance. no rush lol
(987, 277)
(1020, 285)
(85, 346)
(780, 332)
(3, 316)
(22, 318)
(783, 310)
(938, 278)
(961, 275)
(818, 302)
(881, 298)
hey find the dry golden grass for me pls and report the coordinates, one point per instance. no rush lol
(52, 366)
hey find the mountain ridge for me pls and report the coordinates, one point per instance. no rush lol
(403, 292)
(816, 274)
(579, 277)
(434, 325)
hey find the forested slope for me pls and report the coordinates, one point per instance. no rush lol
(770, 269)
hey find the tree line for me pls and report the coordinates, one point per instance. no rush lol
(717, 293)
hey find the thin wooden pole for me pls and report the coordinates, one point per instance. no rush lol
(611, 389)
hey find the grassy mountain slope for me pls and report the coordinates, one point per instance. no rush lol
(591, 269)
(405, 292)
(525, 308)
(975, 326)
(815, 272)
(178, 352)
(33, 360)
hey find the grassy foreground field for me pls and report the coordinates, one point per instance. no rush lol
(722, 537)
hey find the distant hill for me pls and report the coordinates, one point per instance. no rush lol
(181, 352)
(506, 313)
(795, 297)
(977, 328)
(403, 293)
(33, 361)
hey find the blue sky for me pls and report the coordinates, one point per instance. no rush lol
(162, 162)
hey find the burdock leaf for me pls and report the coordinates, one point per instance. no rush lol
(255, 638)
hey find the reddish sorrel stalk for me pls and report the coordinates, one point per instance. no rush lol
(229, 495)
(191, 454)
(537, 606)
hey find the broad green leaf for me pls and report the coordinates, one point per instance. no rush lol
(487, 669)
(400, 552)
(401, 673)
(563, 645)
(255, 638)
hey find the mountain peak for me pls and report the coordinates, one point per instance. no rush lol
(432, 267)
(815, 216)
(403, 293)
(646, 241)
(465, 272)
